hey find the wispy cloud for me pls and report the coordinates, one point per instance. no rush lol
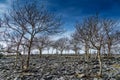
(4, 6)
(66, 34)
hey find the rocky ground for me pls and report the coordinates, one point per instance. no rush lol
(60, 68)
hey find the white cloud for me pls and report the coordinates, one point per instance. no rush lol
(3, 8)
(66, 34)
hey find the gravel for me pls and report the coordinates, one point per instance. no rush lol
(58, 68)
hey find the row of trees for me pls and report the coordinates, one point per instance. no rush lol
(29, 26)
(24, 24)
(99, 34)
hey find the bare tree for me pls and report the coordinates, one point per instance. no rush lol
(116, 42)
(75, 44)
(91, 33)
(61, 44)
(68, 47)
(33, 20)
(41, 42)
(14, 34)
(13, 41)
(55, 45)
(82, 35)
(109, 27)
(96, 35)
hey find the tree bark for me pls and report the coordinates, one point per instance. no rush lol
(29, 51)
(23, 58)
(61, 52)
(17, 54)
(52, 51)
(48, 51)
(28, 58)
(86, 52)
(40, 53)
(76, 52)
(109, 49)
(100, 63)
(16, 59)
(86, 59)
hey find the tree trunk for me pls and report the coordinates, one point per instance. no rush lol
(86, 52)
(109, 50)
(22, 63)
(17, 54)
(76, 52)
(86, 59)
(61, 52)
(56, 51)
(40, 53)
(16, 59)
(100, 63)
(68, 51)
(104, 49)
(48, 51)
(23, 58)
(52, 51)
(28, 56)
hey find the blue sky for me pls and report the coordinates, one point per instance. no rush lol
(75, 10)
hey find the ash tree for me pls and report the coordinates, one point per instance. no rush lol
(31, 19)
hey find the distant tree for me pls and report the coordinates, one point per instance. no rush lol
(68, 47)
(41, 42)
(109, 27)
(96, 33)
(116, 42)
(75, 44)
(54, 45)
(82, 35)
(61, 44)
(49, 45)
